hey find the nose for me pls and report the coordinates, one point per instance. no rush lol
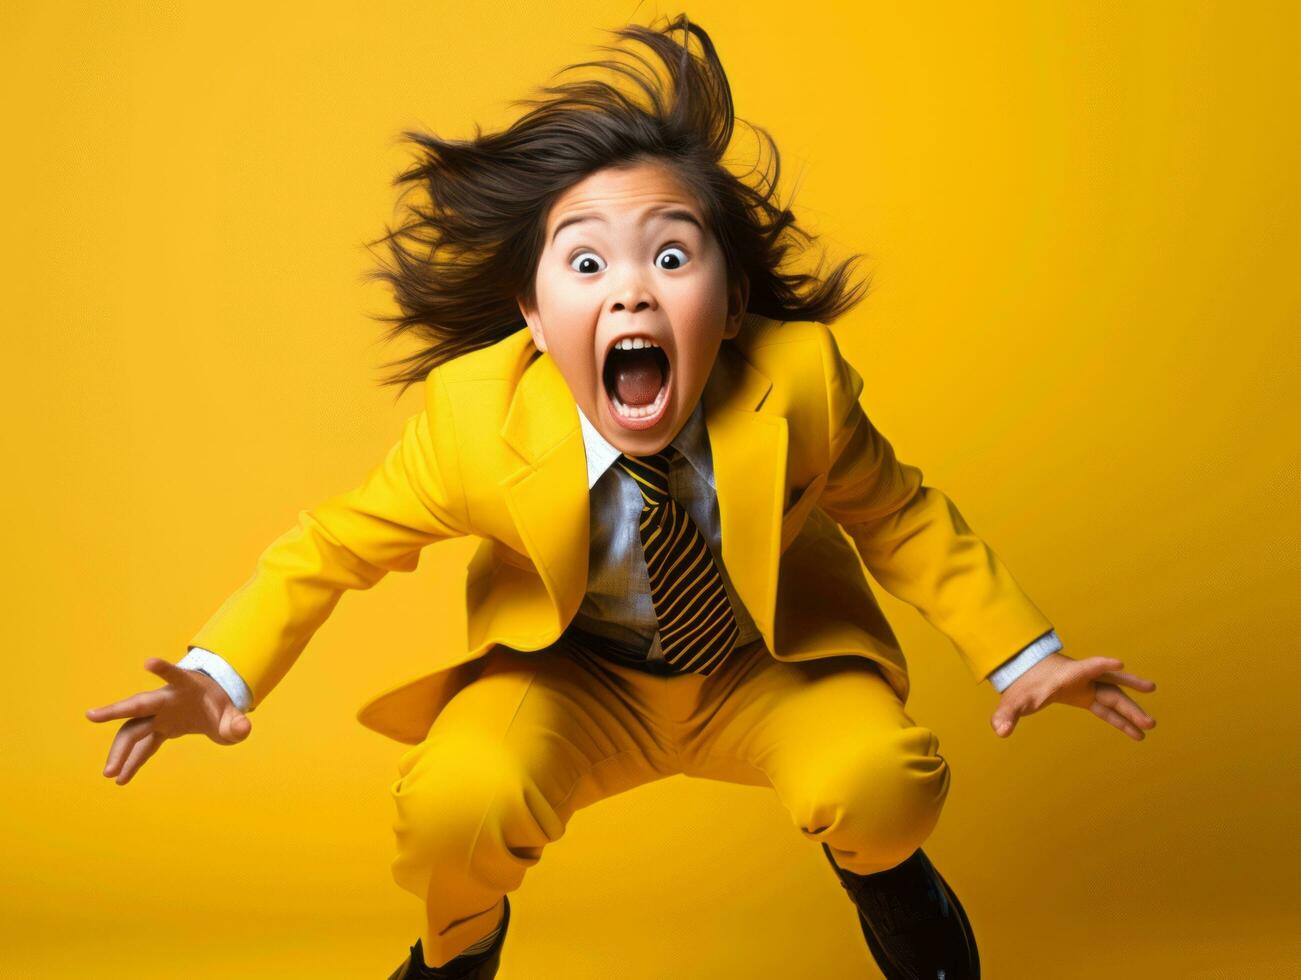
(631, 294)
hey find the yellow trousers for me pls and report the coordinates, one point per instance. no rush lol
(537, 736)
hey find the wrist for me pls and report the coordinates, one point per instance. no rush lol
(1050, 664)
(211, 685)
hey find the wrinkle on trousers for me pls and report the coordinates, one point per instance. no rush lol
(538, 736)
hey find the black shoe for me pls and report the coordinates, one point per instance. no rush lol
(913, 923)
(480, 966)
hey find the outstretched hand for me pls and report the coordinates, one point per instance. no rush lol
(1092, 684)
(191, 702)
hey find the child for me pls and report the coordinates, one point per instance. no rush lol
(663, 452)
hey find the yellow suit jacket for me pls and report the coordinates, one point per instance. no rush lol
(806, 488)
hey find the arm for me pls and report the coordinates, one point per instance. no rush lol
(350, 541)
(912, 538)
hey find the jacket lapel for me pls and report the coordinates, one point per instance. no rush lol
(549, 499)
(749, 453)
(548, 496)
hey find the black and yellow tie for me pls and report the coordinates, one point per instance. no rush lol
(697, 627)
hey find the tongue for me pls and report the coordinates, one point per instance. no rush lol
(637, 378)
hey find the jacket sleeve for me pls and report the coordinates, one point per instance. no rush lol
(350, 541)
(913, 540)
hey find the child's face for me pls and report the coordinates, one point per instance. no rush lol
(628, 259)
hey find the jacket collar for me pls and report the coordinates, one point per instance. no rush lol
(748, 439)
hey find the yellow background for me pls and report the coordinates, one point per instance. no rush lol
(1084, 229)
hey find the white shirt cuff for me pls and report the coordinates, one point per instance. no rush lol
(1017, 665)
(207, 662)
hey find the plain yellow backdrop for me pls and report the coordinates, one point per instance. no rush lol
(1084, 229)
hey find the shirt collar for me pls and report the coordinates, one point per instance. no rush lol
(691, 442)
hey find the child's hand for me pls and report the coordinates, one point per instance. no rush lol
(1088, 684)
(191, 702)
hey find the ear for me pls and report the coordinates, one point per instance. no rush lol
(535, 324)
(738, 297)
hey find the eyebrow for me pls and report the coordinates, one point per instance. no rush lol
(668, 213)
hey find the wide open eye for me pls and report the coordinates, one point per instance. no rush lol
(674, 255)
(587, 263)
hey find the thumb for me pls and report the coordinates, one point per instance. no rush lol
(235, 725)
(1004, 720)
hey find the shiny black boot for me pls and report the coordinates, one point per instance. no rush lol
(914, 925)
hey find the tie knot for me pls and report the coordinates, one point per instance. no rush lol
(651, 474)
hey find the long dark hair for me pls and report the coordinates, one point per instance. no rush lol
(465, 253)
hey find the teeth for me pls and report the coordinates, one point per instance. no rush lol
(640, 412)
(634, 343)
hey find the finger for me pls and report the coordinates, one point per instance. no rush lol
(168, 671)
(1121, 702)
(140, 752)
(138, 705)
(1094, 666)
(1129, 680)
(1114, 697)
(1107, 714)
(127, 736)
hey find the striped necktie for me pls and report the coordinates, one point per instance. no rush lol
(697, 627)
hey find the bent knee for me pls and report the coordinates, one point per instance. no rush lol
(447, 789)
(883, 792)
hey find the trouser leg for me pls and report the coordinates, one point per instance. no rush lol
(506, 763)
(832, 738)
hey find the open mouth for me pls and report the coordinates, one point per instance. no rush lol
(637, 379)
